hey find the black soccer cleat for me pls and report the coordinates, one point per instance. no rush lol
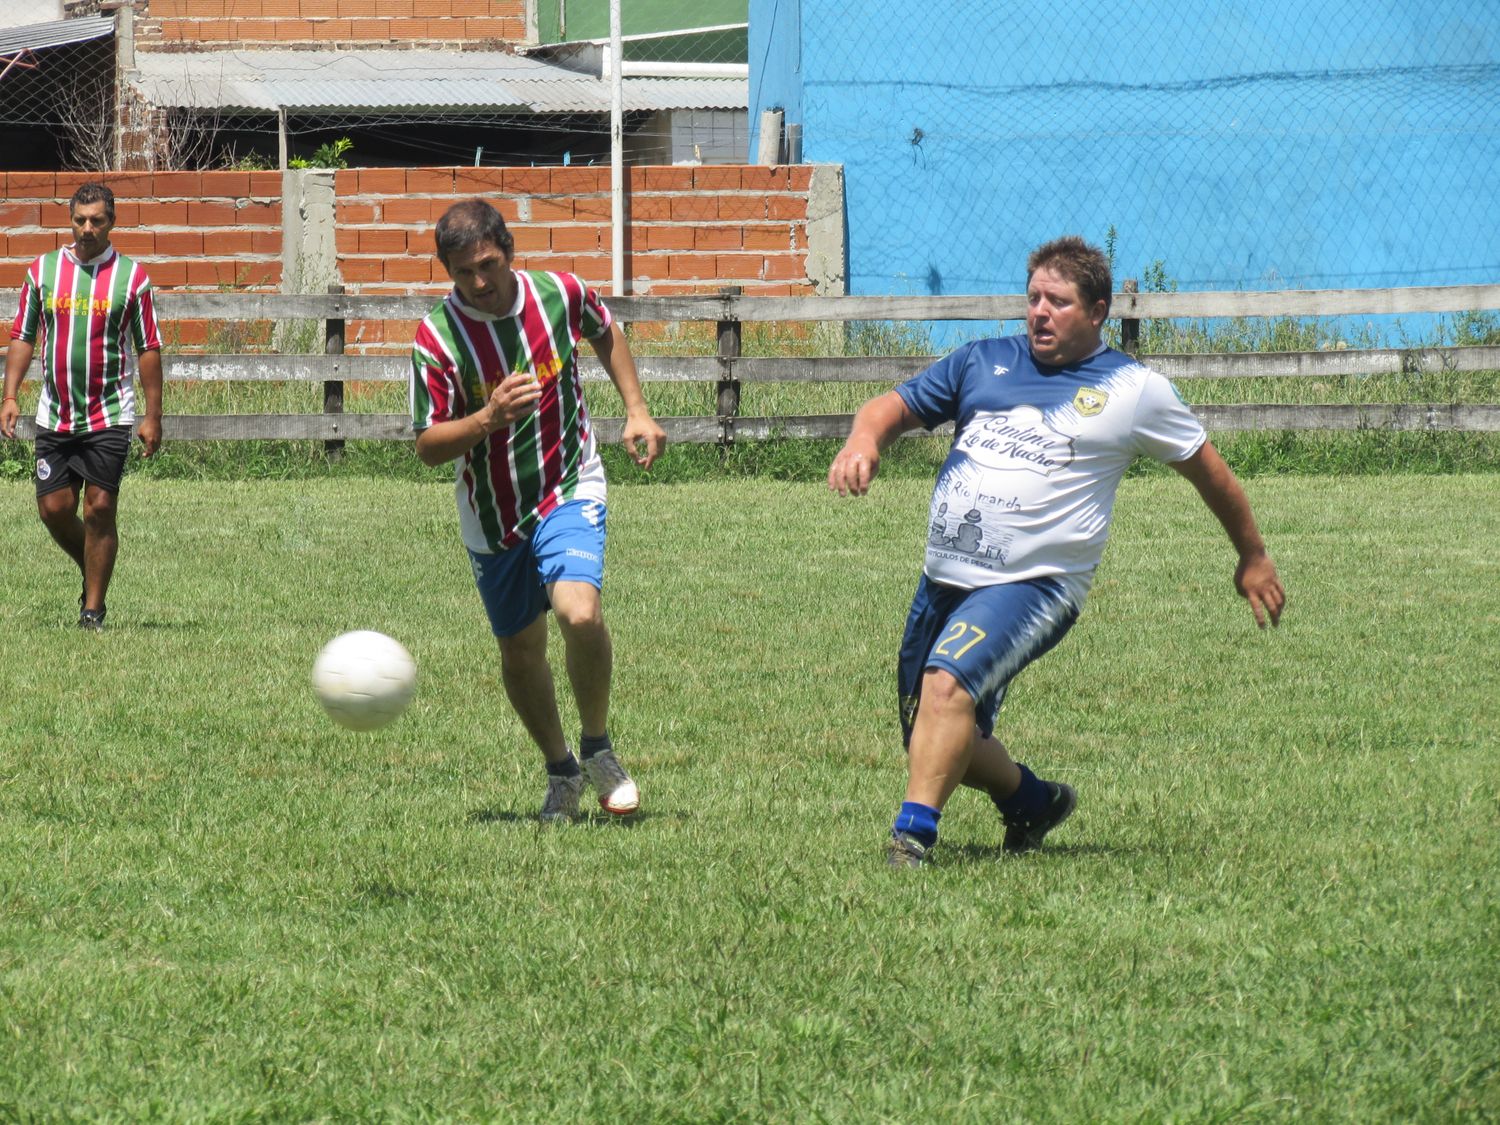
(1026, 835)
(91, 620)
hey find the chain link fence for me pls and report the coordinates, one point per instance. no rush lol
(1315, 146)
(1333, 144)
(57, 107)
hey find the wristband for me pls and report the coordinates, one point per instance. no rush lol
(10, 398)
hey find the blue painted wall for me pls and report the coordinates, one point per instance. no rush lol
(775, 48)
(1308, 145)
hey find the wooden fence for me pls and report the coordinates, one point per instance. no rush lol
(729, 369)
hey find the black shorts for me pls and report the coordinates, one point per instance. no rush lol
(68, 460)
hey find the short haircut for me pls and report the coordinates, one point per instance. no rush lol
(94, 193)
(467, 224)
(1073, 259)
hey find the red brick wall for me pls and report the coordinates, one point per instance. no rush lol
(688, 230)
(184, 23)
(191, 230)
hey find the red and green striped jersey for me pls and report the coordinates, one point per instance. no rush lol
(510, 480)
(94, 318)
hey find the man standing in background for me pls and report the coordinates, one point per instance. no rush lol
(92, 308)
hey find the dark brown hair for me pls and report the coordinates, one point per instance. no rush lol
(1073, 259)
(468, 224)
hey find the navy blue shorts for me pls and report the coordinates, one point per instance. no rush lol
(567, 546)
(69, 460)
(984, 637)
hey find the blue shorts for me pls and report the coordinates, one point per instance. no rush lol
(567, 546)
(983, 637)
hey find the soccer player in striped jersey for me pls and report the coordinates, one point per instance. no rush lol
(1047, 423)
(91, 307)
(495, 389)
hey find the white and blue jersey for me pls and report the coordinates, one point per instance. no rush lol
(1029, 486)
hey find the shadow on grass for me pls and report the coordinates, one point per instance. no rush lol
(382, 892)
(585, 819)
(994, 853)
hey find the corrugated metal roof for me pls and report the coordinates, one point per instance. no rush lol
(58, 33)
(407, 81)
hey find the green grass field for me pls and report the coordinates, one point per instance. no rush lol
(1276, 901)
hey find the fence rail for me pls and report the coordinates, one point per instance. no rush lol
(729, 369)
(748, 310)
(845, 369)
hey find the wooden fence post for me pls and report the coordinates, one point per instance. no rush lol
(333, 389)
(1130, 327)
(730, 340)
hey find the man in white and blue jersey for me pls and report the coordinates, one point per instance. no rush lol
(1046, 425)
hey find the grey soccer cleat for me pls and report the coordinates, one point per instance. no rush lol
(560, 805)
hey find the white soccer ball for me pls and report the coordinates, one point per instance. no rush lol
(364, 679)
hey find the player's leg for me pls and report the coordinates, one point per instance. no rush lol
(100, 458)
(945, 740)
(569, 548)
(590, 659)
(1029, 806)
(101, 544)
(590, 655)
(528, 685)
(57, 495)
(516, 605)
(58, 509)
(991, 768)
(942, 739)
(58, 488)
(1035, 617)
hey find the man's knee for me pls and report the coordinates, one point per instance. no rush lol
(577, 606)
(99, 506)
(58, 506)
(941, 690)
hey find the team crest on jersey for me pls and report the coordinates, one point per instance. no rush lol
(1090, 400)
(43, 470)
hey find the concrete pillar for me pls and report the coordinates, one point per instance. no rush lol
(309, 257)
(827, 232)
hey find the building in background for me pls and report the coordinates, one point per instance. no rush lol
(661, 50)
(178, 84)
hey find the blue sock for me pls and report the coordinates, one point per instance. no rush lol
(568, 768)
(1031, 797)
(588, 745)
(918, 821)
